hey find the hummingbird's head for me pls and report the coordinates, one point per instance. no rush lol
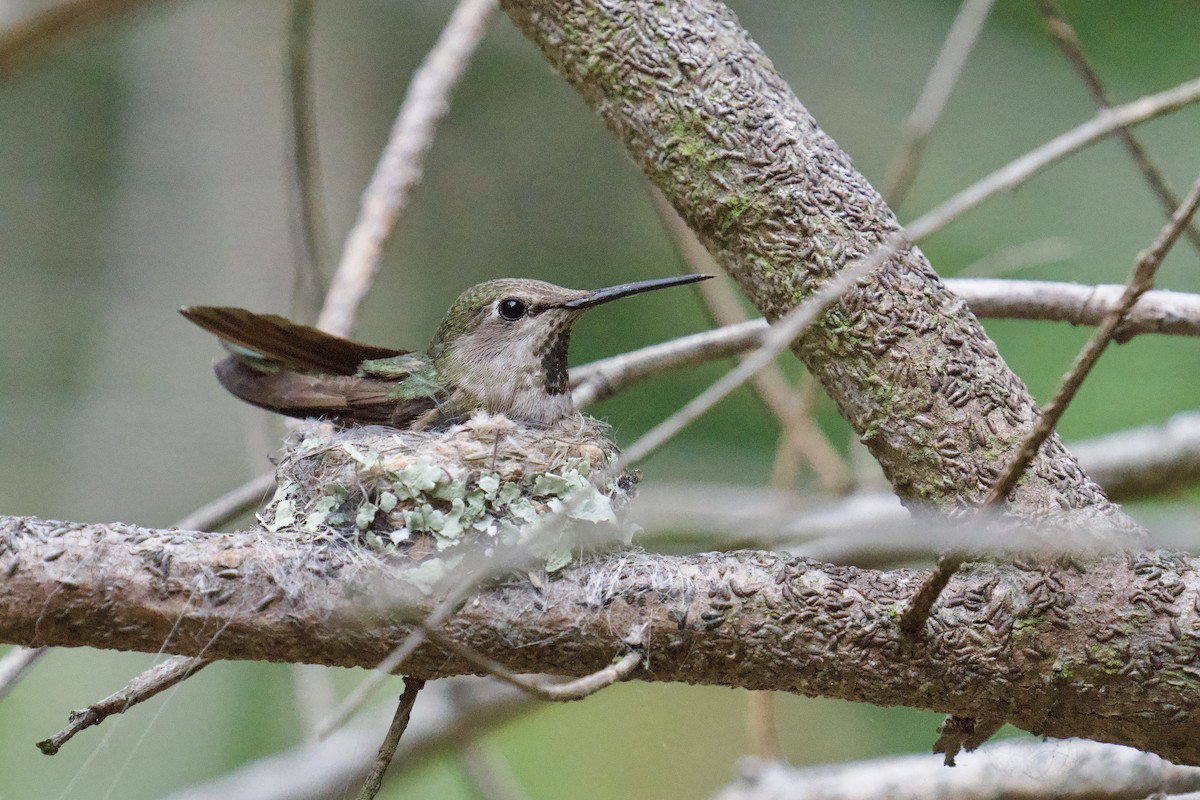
(505, 341)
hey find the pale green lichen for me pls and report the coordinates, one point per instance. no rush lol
(486, 482)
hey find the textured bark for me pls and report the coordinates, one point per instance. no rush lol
(1108, 653)
(704, 113)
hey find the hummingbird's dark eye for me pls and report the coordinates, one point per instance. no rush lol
(512, 309)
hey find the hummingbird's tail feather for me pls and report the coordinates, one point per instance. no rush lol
(275, 339)
(343, 399)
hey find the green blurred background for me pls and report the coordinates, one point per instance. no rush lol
(143, 166)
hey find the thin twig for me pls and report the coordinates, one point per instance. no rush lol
(1072, 769)
(1140, 282)
(374, 782)
(1016, 172)
(468, 576)
(557, 692)
(800, 432)
(873, 528)
(367, 686)
(401, 165)
(1144, 461)
(914, 133)
(305, 183)
(14, 665)
(1069, 43)
(764, 732)
(143, 687)
(1156, 311)
(1163, 312)
(916, 611)
(231, 505)
(60, 20)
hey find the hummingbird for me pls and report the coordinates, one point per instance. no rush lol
(502, 348)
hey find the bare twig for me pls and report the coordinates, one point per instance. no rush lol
(468, 578)
(914, 133)
(58, 21)
(1076, 769)
(15, 663)
(1022, 169)
(230, 505)
(374, 782)
(1140, 282)
(873, 529)
(1157, 311)
(143, 687)
(400, 167)
(556, 692)
(366, 687)
(1069, 42)
(916, 610)
(305, 181)
(764, 733)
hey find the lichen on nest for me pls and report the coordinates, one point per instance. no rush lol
(430, 494)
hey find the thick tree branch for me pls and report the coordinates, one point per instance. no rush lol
(701, 109)
(1106, 653)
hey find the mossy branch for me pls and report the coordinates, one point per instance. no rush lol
(702, 110)
(1106, 653)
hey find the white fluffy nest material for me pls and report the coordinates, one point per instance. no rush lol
(485, 481)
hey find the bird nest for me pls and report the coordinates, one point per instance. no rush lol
(484, 483)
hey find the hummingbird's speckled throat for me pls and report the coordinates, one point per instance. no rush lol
(554, 359)
(501, 347)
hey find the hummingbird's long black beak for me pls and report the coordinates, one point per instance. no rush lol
(599, 296)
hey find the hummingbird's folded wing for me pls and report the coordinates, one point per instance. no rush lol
(344, 399)
(285, 343)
